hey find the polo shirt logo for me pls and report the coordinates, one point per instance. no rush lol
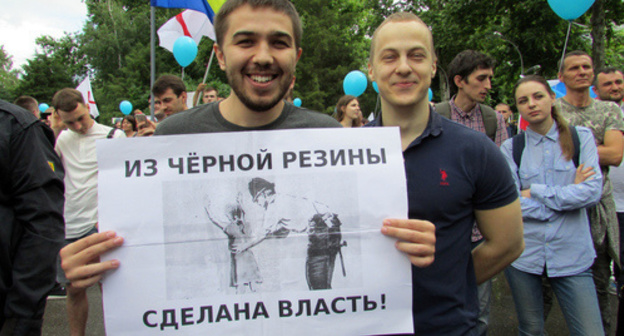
(443, 177)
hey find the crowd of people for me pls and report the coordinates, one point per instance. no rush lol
(539, 205)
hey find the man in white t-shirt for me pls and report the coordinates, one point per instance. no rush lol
(76, 148)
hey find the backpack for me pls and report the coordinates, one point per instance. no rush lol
(519, 141)
(489, 117)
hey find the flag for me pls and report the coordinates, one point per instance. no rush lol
(522, 125)
(87, 95)
(188, 23)
(208, 7)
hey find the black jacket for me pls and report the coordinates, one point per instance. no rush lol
(31, 219)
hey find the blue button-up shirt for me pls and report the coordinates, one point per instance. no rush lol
(556, 228)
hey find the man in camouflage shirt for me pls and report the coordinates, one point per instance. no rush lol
(605, 122)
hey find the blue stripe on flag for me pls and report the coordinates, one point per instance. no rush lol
(198, 5)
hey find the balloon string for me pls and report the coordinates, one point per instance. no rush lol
(565, 46)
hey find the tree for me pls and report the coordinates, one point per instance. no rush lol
(605, 16)
(334, 43)
(8, 75)
(52, 69)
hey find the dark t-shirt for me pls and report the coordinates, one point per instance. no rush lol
(208, 119)
(451, 171)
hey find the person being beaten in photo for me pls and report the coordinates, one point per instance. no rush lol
(244, 272)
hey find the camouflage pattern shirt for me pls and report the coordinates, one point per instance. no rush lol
(599, 117)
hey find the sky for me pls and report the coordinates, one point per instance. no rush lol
(22, 21)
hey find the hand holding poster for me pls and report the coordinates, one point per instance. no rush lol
(264, 233)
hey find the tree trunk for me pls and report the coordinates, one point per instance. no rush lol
(597, 22)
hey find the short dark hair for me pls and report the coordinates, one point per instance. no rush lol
(606, 71)
(210, 88)
(165, 82)
(27, 102)
(465, 63)
(284, 6)
(67, 99)
(561, 62)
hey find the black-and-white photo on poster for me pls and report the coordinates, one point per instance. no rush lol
(262, 234)
(276, 232)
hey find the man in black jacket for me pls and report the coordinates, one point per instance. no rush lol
(31, 219)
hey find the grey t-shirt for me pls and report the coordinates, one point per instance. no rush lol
(208, 119)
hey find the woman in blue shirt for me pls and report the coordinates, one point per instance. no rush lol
(554, 195)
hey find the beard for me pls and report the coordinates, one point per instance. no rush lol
(259, 104)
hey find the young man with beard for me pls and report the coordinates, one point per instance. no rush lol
(258, 46)
(455, 176)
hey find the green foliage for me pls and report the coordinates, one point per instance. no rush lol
(334, 43)
(8, 76)
(57, 66)
(615, 49)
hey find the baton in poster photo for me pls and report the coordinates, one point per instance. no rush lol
(263, 233)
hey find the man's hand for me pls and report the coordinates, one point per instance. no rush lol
(81, 260)
(146, 128)
(583, 173)
(56, 124)
(415, 237)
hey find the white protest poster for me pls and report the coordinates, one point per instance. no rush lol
(255, 233)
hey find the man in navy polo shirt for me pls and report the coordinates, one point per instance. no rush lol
(455, 176)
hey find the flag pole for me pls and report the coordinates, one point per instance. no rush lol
(208, 67)
(152, 59)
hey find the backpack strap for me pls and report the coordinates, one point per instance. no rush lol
(577, 146)
(111, 133)
(490, 121)
(519, 141)
(443, 109)
(517, 147)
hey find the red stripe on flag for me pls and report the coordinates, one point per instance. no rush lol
(180, 20)
(89, 99)
(522, 124)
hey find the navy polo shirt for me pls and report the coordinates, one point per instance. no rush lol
(451, 171)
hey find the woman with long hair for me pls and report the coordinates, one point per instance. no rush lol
(554, 194)
(129, 126)
(348, 111)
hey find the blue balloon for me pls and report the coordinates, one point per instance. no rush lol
(355, 83)
(375, 87)
(297, 102)
(184, 50)
(570, 9)
(430, 94)
(43, 107)
(125, 107)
